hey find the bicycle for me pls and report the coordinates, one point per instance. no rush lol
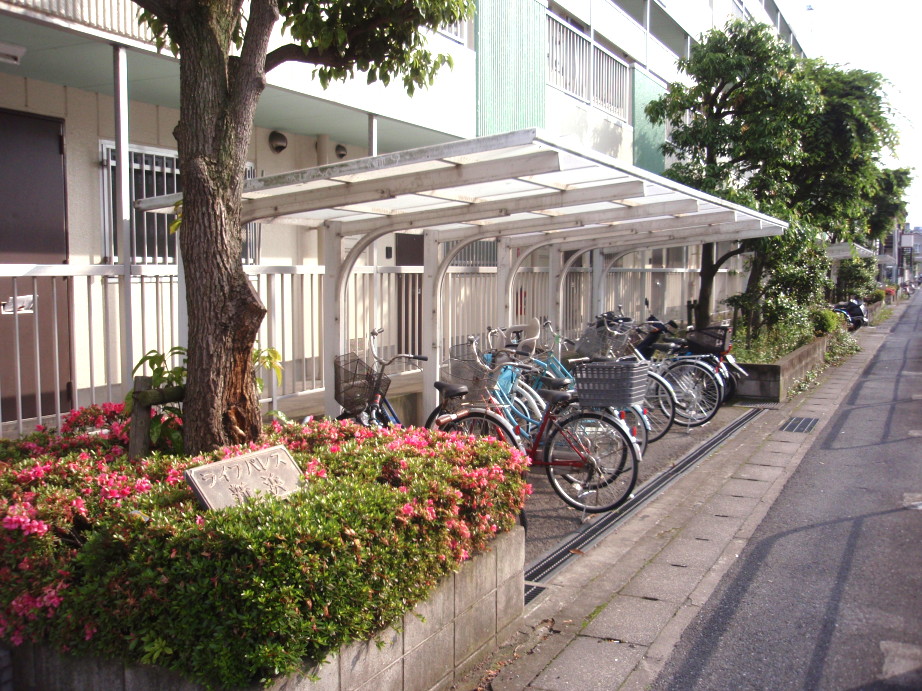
(590, 458)
(361, 390)
(697, 385)
(606, 338)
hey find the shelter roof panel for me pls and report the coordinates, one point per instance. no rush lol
(515, 184)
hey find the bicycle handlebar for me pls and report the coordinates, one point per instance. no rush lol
(373, 342)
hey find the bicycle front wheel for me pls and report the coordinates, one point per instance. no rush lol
(591, 462)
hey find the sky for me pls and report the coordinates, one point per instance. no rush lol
(880, 36)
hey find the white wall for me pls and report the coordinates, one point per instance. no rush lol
(451, 101)
(569, 117)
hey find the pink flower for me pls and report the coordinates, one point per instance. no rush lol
(88, 631)
(407, 509)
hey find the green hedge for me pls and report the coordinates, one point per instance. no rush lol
(102, 556)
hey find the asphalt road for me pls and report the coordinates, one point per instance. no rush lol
(828, 592)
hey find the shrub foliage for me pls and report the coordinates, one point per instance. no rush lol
(107, 557)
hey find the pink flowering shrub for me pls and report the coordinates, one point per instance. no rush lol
(103, 556)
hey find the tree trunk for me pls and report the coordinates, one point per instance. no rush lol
(753, 290)
(221, 405)
(706, 275)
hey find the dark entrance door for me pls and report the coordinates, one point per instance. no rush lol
(35, 315)
(409, 252)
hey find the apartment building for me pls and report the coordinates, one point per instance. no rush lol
(81, 86)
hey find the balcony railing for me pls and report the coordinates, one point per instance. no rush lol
(586, 71)
(117, 17)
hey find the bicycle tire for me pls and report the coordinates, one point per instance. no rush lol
(601, 462)
(479, 423)
(697, 390)
(660, 403)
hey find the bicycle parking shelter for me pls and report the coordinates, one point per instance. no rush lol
(524, 189)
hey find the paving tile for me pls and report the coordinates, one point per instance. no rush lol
(701, 553)
(664, 582)
(716, 527)
(752, 471)
(590, 664)
(745, 488)
(730, 505)
(631, 620)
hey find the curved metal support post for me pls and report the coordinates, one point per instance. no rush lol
(334, 341)
(563, 274)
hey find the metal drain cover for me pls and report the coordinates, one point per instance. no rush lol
(800, 424)
(532, 591)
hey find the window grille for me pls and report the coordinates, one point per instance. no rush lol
(479, 253)
(153, 173)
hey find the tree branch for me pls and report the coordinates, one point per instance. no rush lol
(720, 261)
(292, 52)
(164, 9)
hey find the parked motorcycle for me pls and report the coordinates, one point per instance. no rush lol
(854, 312)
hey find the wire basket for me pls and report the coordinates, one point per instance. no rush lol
(598, 341)
(616, 384)
(354, 383)
(464, 368)
(713, 340)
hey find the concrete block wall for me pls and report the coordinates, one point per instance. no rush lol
(772, 382)
(460, 624)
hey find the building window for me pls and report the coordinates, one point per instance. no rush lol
(154, 172)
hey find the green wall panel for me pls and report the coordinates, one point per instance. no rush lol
(647, 136)
(511, 39)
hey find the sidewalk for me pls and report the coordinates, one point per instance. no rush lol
(612, 616)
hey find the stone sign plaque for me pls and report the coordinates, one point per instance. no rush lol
(268, 472)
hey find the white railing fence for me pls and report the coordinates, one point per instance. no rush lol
(64, 346)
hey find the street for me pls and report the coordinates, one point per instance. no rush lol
(827, 593)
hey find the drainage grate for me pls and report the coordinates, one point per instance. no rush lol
(800, 424)
(533, 591)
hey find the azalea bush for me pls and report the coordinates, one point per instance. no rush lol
(103, 556)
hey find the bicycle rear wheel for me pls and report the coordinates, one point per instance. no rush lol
(698, 392)
(633, 417)
(660, 402)
(591, 462)
(479, 423)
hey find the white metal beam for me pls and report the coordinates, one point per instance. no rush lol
(715, 219)
(498, 208)
(342, 193)
(550, 225)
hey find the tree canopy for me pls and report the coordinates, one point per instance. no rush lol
(796, 138)
(223, 48)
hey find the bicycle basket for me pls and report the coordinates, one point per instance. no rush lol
(615, 384)
(713, 340)
(598, 341)
(354, 383)
(464, 368)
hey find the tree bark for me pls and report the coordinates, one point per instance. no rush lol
(705, 285)
(218, 101)
(706, 275)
